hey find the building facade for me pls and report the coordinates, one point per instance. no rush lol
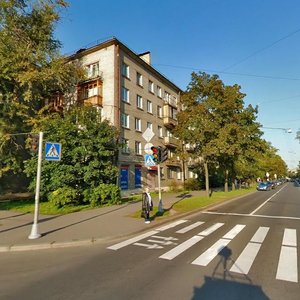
(133, 96)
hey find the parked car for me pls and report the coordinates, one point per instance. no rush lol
(264, 186)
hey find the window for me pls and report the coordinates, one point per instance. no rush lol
(139, 101)
(159, 92)
(150, 126)
(125, 70)
(178, 173)
(125, 95)
(138, 124)
(125, 120)
(151, 86)
(160, 131)
(125, 146)
(138, 148)
(167, 97)
(159, 111)
(92, 70)
(139, 79)
(149, 106)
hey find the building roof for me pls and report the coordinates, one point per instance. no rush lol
(114, 41)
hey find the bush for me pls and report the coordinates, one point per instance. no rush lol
(192, 184)
(175, 186)
(63, 196)
(102, 194)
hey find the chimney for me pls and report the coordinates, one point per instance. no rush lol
(146, 56)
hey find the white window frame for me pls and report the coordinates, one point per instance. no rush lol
(138, 148)
(138, 124)
(125, 148)
(159, 92)
(125, 70)
(139, 101)
(139, 79)
(151, 86)
(149, 107)
(92, 70)
(160, 131)
(159, 111)
(150, 125)
(125, 120)
(125, 94)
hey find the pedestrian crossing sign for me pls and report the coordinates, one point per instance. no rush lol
(53, 151)
(149, 162)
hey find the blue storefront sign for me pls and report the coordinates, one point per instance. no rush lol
(124, 178)
(138, 176)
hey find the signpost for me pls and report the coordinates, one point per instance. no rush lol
(53, 153)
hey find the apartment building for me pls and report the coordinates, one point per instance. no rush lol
(133, 96)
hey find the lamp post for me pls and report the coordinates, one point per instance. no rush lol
(287, 130)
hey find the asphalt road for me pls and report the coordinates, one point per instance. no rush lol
(245, 249)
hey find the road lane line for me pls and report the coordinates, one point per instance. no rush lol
(205, 258)
(244, 262)
(248, 215)
(190, 227)
(287, 266)
(255, 210)
(190, 242)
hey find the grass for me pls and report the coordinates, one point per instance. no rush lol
(194, 203)
(181, 206)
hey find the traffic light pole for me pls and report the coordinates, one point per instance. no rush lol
(160, 204)
(35, 230)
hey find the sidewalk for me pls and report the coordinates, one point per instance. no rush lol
(80, 228)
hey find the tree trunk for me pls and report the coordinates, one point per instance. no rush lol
(226, 180)
(206, 179)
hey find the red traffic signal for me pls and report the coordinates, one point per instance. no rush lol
(155, 154)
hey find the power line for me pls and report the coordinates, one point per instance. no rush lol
(261, 50)
(230, 73)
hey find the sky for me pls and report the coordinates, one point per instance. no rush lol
(252, 43)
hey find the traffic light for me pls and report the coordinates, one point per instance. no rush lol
(155, 154)
(33, 143)
(163, 154)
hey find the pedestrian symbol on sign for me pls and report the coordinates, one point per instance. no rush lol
(53, 151)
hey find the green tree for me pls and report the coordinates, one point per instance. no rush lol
(89, 150)
(216, 122)
(31, 70)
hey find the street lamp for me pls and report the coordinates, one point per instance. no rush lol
(287, 130)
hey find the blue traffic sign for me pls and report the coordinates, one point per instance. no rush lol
(149, 162)
(53, 151)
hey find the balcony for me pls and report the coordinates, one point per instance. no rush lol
(90, 93)
(171, 141)
(173, 162)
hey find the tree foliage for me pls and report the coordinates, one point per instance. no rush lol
(88, 156)
(216, 122)
(31, 69)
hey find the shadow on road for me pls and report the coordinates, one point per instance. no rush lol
(223, 285)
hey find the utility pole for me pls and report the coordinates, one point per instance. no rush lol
(34, 230)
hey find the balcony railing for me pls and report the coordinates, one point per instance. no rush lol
(171, 141)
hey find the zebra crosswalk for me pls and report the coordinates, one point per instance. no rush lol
(287, 265)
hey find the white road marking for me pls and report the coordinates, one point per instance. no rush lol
(151, 246)
(182, 247)
(190, 242)
(211, 229)
(190, 227)
(171, 225)
(287, 266)
(145, 235)
(205, 258)
(133, 240)
(247, 215)
(255, 210)
(289, 237)
(244, 262)
(260, 235)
